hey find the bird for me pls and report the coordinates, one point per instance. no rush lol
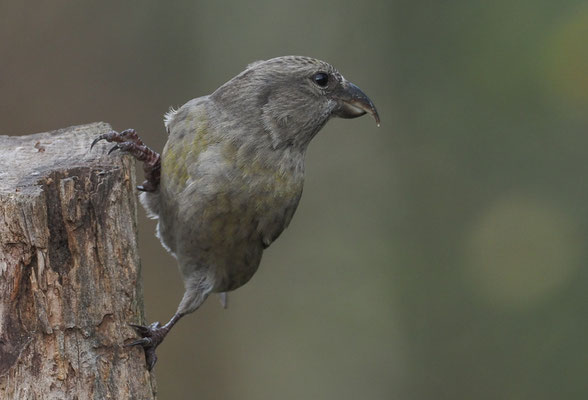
(231, 174)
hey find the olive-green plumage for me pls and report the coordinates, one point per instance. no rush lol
(233, 168)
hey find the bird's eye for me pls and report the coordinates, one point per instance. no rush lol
(321, 79)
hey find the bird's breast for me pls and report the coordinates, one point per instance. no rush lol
(234, 204)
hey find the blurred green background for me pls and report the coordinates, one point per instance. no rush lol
(440, 256)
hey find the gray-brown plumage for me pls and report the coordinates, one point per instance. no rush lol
(232, 172)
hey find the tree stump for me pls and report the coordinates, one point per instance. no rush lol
(69, 270)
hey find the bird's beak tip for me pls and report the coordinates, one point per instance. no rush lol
(355, 103)
(376, 117)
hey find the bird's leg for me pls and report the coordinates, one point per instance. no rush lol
(129, 142)
(151, 337)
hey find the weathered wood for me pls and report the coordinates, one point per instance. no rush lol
(69, 270)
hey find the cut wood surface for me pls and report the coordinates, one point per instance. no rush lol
(69, 269)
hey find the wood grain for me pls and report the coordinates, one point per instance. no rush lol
(69, 270)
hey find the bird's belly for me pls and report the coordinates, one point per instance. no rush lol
(226, 233)
(228, 241)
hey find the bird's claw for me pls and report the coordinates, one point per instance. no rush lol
(127, 147)
(145, 330)
(128, 135)
(142, 342)
(114, 148)
(129, 142)
(151, 337)
(99, 138)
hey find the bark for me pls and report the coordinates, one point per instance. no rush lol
(69, 270)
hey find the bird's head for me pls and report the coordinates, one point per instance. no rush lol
(293, 97)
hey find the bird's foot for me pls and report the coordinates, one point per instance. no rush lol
(128, 141)
(151, 337)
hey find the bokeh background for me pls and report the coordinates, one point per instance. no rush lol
(441, 256)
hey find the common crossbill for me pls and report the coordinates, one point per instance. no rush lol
(231, 174)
